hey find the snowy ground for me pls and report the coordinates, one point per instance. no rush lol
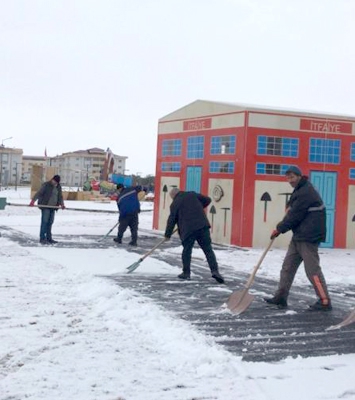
(66, 333)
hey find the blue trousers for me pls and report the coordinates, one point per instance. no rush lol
(46, 224)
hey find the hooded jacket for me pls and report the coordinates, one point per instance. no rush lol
(306, 215)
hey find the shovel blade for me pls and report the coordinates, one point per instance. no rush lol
(239, 301)
(134, 266)
(350, 319)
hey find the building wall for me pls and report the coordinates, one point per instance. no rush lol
(10, 166)
(77, 167)
(219, 212)
(305, 129)
(181, 129)
(255, 194)
(269, 207)
(27, 165)
(350, 227)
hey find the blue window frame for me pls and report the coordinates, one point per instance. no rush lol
(352, 152)
(271, 169)
(324, 151)
(171, 147)
(171, 167)
(221, 167)
(352, 173)
(278, 146)
(195, 147)
(223, 145)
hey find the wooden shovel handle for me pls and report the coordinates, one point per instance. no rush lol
(257, 266)
(156, 246)
(69, 208)
(35, 205)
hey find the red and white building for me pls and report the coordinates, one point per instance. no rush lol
(238, 155)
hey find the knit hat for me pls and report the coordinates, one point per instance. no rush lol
(293, 170)
(56, 178)
(119, 186)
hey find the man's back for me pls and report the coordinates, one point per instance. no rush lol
(187, 210)
(128, 202)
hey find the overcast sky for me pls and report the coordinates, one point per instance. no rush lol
(76, 74)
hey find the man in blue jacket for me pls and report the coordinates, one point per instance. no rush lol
(129, 208)
(306, 217)
(187, 212)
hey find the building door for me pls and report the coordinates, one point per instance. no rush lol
(326, 183)
(193, 179)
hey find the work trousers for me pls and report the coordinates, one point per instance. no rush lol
(46, 224)
(131, 221)
(203, 238)
(308, 253)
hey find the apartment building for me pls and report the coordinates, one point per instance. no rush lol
(78, 166)
(27, 163)
(10, 166)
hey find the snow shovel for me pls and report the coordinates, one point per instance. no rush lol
(3, 203)
(240, 300)
(135, 265)
(350, 319)
(104, 237)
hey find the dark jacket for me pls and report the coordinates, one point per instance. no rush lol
(127, 201)
(187, 212)
(306, 215)
(45, 192)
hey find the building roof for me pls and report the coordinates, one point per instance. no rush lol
(38, 158)
(199, 108)
(92, 151)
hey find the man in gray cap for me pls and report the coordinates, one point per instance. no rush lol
(306, 217)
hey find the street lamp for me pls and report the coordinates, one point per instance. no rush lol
(2, 150)
(3, 140)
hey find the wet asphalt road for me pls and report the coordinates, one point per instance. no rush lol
(261, 333)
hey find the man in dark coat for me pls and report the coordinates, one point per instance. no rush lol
(187, 211)
(129, 207)
(50, 194)
(306, 217)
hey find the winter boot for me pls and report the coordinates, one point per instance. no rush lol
(185, 276)
(319, 306)
(134, 244)
(117, 240)
(278, 301)
(217, 276)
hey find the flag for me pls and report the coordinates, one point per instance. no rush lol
(45, 152)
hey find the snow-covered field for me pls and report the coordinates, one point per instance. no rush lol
(67, 334)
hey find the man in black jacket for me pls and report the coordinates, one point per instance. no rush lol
(187, 211)
(306, 217)
(50, 195)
